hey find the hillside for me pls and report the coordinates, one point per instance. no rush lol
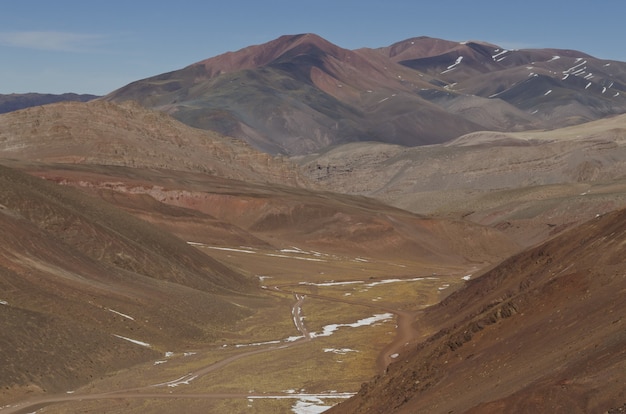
(77, 276)
(543, 330)
(529, 184)
(103, 133)
(300, 93)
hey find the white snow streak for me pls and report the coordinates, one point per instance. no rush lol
(454, 65)
(3, 302)
(384, 282)
(498, 54)
(134, 341)
(306, 403)
(332, 283)
(121, 314)
(184, 380)
(341, 351)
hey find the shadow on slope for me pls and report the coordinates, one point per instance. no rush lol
(544, 330)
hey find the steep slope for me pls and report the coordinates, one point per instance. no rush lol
(301, 93)
(544, 330)
(87, 289)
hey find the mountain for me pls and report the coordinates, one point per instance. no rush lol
(544, 330)
(15, 101)
(300, 93)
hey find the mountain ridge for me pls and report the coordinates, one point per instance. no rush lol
(300, 93)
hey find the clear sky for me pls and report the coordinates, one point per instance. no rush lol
(96, 46)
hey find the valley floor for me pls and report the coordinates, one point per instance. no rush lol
(338, 322)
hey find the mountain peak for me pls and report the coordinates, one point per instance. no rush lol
(255, 56)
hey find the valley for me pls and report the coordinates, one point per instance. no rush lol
(431, 226)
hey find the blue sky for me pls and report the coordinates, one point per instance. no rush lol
(89, 46)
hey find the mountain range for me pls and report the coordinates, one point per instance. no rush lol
(301, 93)
(17, 101)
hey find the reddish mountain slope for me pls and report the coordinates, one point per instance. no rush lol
(543, 331)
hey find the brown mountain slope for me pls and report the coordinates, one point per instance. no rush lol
(543, 331)
(78, 276)
(109, 134)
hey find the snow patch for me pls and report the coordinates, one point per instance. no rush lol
(328, 330)
(332, 283)
(467, 277)
(498, 54)
(384, 282)
(121, 314)
(184, 380)
(548, 93)
(342, 351)
(4, 302)
(257, 344)
(454, 65)
(394, 356)
(311, 259)
(134, 341)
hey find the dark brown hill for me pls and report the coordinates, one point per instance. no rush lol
(298, 94)
(544, 331)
